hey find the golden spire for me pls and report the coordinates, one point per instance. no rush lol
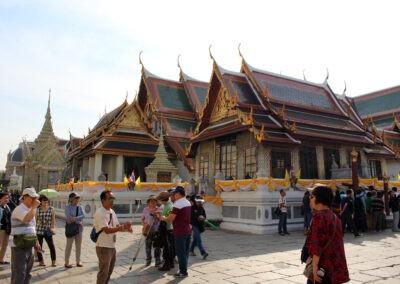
(126, 97)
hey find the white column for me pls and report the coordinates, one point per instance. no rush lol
(119, 168)
(98, 159)
(91, 168)
(320, 162)
(343, 157)
(296, 159)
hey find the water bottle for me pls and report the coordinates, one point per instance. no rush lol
(321, 273)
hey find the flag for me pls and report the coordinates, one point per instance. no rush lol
(298, 174)
(291, 173)
(126, 181)
(137, 183)
(287, 178)
(132, 177)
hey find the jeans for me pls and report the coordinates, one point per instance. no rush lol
(197, 240)
(182, 244)
(50, 243)
(21, 265)
(307, 219)
(377, 220)
(106, 258)
(282, 223)
(360, 221)
(348, 220)
(396, 222)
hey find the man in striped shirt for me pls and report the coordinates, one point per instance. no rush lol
(23, 222)
(377, 207)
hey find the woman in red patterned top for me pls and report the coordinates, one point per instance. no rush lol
(322, 231)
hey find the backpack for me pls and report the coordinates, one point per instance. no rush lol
(95, 235)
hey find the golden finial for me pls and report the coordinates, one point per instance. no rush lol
(365, 124)
(240, 54)
(266, 94)
(49, 95)
(260, 135)
(327, 74)
(304, 75)
(126, 97)
(209, 50)
(140, 57)
(283, 112)
(89, 129)
(105, 110)
(345, 88)
(294, 127)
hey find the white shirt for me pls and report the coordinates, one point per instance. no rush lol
(101, 220)
(282, 199)
(18, 226)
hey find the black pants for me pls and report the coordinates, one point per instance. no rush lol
(348, 219)
(169, 250)
(50, 243)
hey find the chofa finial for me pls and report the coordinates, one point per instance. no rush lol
(345, 87)
(240, 54)
(209, 50)
(327, 74)
(140, 57)
(304, 75)
(179, 65)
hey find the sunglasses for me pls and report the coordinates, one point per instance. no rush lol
(111, 199)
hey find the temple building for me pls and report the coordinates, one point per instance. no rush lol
(380, 110)
(127, 138)
(39, 163)
(258, 124)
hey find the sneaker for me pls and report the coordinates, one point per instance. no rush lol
(205, 255)
(148, 262)
(192, 253)
(282, 234)
(287, 233)
(181, 275)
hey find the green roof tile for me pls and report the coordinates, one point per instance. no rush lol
(201, 94)
(181, 125)
(378, 104)
(174, 98)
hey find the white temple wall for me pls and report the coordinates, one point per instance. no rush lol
(109, 166)
(183, 171)
(393, 168)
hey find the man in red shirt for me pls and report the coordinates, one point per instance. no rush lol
(180, 217)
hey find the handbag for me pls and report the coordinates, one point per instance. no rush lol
(278, 211)
(308, 270)
(25, 241)
(95, 235)
(72, 229)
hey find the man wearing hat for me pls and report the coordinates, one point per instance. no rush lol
(180, 217)
(168, 249)
(23, 224)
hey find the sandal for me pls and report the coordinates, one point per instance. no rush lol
(79, 264)
(68, 266)
(54, 264)
(4, 262)
(42, 264)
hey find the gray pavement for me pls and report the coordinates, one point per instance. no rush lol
(234, 258)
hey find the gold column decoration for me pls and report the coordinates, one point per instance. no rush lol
(266, 94)
(283, 112)
(385, 179)
(294, 127)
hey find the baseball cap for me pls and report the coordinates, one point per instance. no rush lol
(179, 189)
(73, 196)
(198, 198)
(30, 191)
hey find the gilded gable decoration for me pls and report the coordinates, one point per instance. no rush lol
(221, 108)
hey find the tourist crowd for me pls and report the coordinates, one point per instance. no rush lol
(168, 221)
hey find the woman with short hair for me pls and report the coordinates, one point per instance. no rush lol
(325, 240)
(45, 222)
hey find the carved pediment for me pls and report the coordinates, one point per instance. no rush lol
(131, 120)
(221, 108)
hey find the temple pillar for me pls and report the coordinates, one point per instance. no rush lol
(266, 159)
(91, 168)
(98, 159)
(119, 168)
(354, 170)
(384, 167)
(320, 161)
(343, 157)
(296, 159)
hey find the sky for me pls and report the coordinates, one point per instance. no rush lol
(87, 52)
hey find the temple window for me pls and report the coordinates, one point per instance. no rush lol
(225, 157)
(204, 165)
(250, 162)
(329, 155)
(308, 163)
(375, 169)
(280, 162)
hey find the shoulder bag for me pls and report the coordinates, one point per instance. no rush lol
(93, 235)
(72, 229)
(308, 270)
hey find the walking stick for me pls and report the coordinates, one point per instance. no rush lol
(140, 245)
(211, 225)
(139, 204)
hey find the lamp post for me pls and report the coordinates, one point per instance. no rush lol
(354, 169)
(385, 192)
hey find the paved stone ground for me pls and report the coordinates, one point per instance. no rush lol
(234, 258)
